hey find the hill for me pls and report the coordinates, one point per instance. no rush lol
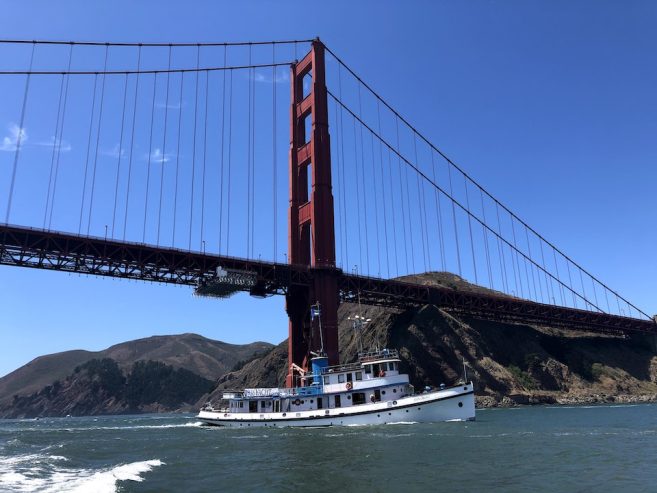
(203, 357)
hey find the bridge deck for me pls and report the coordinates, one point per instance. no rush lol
(36, 248)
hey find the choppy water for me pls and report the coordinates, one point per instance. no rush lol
(601, 448)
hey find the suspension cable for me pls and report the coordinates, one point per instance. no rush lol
(150, 45)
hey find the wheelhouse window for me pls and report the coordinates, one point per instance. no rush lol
(359, 375)
(327, 379)
(341, 378)
(349, 377)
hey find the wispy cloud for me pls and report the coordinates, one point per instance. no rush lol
(10, 141)
(58, 144)
(157, 156)
(282, 77)
(114, 152)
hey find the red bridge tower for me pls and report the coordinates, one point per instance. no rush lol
(311, 233)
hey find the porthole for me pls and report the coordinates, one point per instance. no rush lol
(284, 414)
(460, 404)
(378, 415)
(302, 402)
(383, 392)
(465, 388)
(311, 401)
(394, 391)
(389, 414)
(407, 410)
(349, 397)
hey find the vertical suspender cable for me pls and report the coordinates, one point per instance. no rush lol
(223, 133)
(19, 137)
(383, 190)
(163, 159)
(59, 142)
(514, 253)
(485, 232)
(422, 208)
(150, 158)
(248, 166)
(120, 154)
(175, 191)
(456, 229)
(132, 145)
(191, 200)
(467, 204)
(338, 189)
(394, 210)
(230, 154)
(360, 248)
(401, 196)
(344, 178)
(205, 151)
(253, 147)
(98, 131)
(54, 149)
(86, 162)
(273, 151)
(439, 215)
(500, 251)
(362, 165)
(376, 210)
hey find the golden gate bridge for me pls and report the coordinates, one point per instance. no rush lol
(164, 162)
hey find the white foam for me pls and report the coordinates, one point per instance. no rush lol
(15, 476)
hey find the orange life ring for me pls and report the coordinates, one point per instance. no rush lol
(350, 385)
(382, 373)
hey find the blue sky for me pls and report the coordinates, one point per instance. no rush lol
(550, 105)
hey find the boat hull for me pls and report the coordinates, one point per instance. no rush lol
(454, 404)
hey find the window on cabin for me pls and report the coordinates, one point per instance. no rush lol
(263, 404)
(341, 378)
(358, 398)
(359, 375)
(253, 406)
(326, 380)
(241, 403)
(375, 369)
(337, 401)
(349, 377)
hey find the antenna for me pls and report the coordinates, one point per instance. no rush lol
(358, 322)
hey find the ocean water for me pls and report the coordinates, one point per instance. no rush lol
(579, 449)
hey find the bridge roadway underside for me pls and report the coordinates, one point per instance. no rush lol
(36, 248)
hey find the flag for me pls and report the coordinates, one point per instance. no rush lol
(314, 312)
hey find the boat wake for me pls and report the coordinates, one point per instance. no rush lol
(43, 473)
